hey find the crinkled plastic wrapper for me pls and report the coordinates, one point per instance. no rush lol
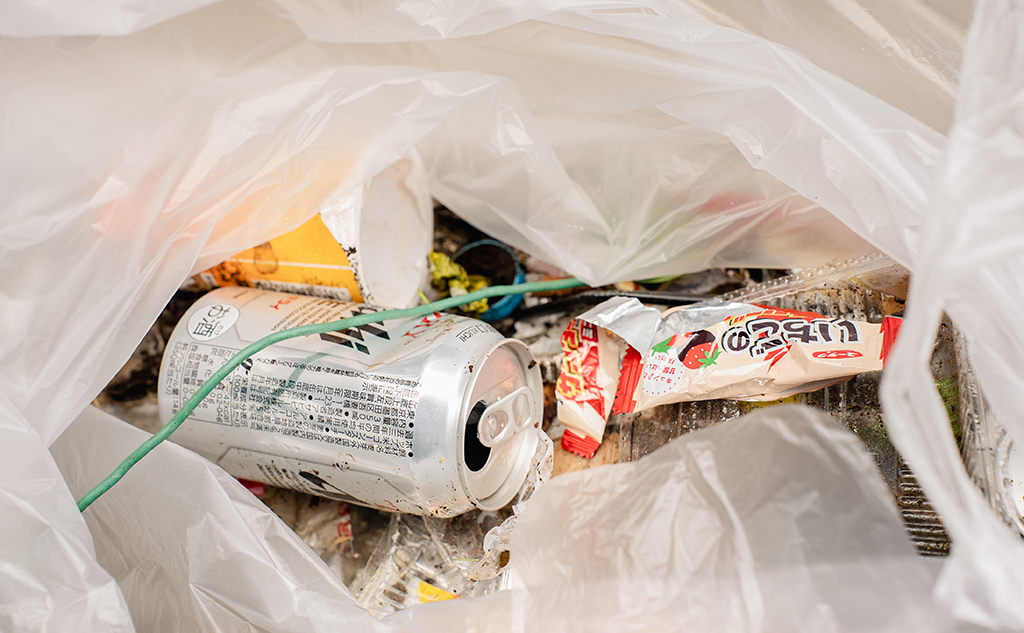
(713, 350)
(143, 143)
(725, 350)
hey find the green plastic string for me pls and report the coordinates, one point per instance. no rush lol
(305, 330)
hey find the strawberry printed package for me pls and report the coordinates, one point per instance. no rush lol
(765, 354)
(714, 350)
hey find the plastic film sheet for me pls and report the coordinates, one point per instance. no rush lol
(775, 521)
(970, 267)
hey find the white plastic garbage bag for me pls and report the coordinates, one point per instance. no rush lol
(129, 161)
(777, 521)
(191, 548)
(616, 140)
(970, 266)
(50, 579)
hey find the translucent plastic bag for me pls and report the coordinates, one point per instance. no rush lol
(620, 141)
(238, 127)
(191, 548)
(970, 266)
(778, 521)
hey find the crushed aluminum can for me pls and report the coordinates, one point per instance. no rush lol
(429, 416)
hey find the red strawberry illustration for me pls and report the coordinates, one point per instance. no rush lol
(700, 351)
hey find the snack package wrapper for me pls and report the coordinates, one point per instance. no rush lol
(586, 385)
(709, 351)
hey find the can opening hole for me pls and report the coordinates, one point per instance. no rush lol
(476, 453)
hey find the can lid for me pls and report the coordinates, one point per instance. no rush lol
(498, 437)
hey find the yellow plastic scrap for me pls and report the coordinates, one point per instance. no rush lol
(442, 268)
(430, 593)
(451, 279)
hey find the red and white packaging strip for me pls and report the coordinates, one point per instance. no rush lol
(586, 385)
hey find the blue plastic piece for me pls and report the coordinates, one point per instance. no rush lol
(504, 306)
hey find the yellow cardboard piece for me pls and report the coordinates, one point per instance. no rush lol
(308, 261)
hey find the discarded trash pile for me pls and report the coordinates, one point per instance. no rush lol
(347, 448)
(511, 316)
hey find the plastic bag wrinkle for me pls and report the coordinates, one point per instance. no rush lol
(180, 528)
(702, 75)
(825, 138)
(571, 92)
(110, 17)
(970, 267)
(774, 521)
(49, 577)
(906, 53)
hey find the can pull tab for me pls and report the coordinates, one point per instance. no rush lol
(506, 417)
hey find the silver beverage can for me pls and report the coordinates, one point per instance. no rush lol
(433, 416)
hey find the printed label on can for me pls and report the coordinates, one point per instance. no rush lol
(348, 409)
(281, 312)
(212, 321)
(314, 478)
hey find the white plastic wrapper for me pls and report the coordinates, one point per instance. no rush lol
(615, 140)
